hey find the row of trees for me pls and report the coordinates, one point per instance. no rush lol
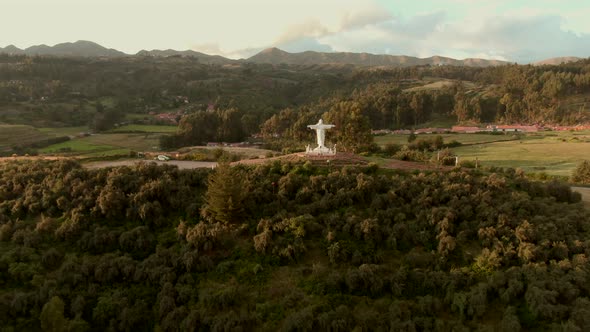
(228, 125)
(288, 247)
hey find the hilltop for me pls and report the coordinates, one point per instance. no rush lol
(557, 61)
(202, 57)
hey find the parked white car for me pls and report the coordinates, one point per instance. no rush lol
(162, 158)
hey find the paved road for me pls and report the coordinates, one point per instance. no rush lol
(182, 164)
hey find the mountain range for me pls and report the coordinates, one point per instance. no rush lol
(270, 56)
(79, 48)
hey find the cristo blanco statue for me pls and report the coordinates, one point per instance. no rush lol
(320, 130)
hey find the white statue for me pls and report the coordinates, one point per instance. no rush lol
(320, 129)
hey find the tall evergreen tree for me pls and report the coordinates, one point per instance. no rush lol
(226, 192)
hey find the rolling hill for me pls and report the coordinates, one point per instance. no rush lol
(278, 56)
(557, 61)
(80, 48)
(202, 57)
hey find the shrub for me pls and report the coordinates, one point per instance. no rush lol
(391, 149)
(582, 173)
(411, 155)
(446, 157)
(467, 163)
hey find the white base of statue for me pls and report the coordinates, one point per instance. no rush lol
(320, 151)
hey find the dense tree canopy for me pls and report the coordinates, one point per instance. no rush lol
(131, 248)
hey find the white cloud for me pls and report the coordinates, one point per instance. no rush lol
(518, 36)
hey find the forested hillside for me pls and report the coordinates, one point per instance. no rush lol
(288, 247)
(234, 101)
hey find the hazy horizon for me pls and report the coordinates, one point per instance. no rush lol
(517, 31)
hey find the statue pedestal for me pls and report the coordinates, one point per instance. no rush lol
(320, 151)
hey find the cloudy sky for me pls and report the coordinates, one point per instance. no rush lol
(522, 31)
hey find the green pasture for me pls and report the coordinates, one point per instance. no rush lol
(64, 131)
(555, 153)
(145, 129)
(461, 138)
(105, 144)
(134, 141)
(552, 153)
(80, 145)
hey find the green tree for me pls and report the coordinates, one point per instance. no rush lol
(352, 132)
(225, 196)
(52, 315)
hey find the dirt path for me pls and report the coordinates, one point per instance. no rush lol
(182, 164)
(585, 194)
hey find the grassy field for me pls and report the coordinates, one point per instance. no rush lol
(64, 131)
(461, 138)
(145, 129)
(106, 144)
(432, 86)
(81, 145)
(18, 135)
(555, 153)
(548, 154)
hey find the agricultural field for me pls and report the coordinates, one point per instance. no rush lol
(554, 153)
(64, 131)
(118, 141)
(11, 135)
(461, 138)
(105, 145)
